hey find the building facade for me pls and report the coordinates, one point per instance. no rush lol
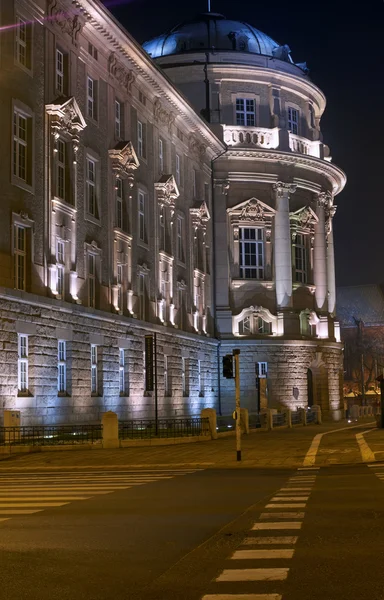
(196, 206)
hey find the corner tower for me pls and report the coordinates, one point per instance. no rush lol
(273, 205)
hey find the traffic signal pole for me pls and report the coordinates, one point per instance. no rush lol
(236, 355)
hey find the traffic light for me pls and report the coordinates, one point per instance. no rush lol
(228, 366)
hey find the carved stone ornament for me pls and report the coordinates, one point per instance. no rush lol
(162, 115)
(69, 22)
(284, 189)
(200, 216)
(304, 218)
(330, 213)
(124, 76)
(224, 184)
(196, 147)
(67, 119)
(124, 160)
(252, 211)
(167, 190)
(325, 200)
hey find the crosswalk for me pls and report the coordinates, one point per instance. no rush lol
(378, 469)
(260, 565)
(28, 494)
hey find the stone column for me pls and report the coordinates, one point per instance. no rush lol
(282, 245)
(331, 278)
(222, 273)
(320, 255)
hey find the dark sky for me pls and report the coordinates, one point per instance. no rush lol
(343, 44)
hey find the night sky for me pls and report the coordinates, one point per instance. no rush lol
(343, 44)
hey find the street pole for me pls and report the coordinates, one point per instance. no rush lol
(362, 381)
(382, 399)
(236, 354)
(156, 403)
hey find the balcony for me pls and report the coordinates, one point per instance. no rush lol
(251, 137)
(302, 145)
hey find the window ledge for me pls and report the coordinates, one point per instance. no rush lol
(238, 283)
(22, 184)
(92, 219)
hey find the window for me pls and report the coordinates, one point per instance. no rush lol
(142, 298)
(245, 112)
(22, 363)
(261, 369)
(119, 281)
(92, 98)
(20, 145)
(162, 227)
(293, 120)
(166, 383)
(20, 257)
(23, 43)
(92, 280)
(92, 51)
(61, 367)
(119, 203)
(185, 375)
(200, 378)
(59, 71)
(181, 307)
(142, 217)
(122, 371)
(118, 114)
(179, 240)
(251, 253)
(254, 324)
(142, 98)
(178, 173)
(90, 183)
(141, 140)
(301, 258)
(60, 260)
(161, 156)
(262, 327)
(245, 326)
(194, 182)
(94, 370)
(60, 169)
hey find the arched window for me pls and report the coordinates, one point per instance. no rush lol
(254, 324)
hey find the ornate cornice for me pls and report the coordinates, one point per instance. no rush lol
(162, 115)
(196, 148)
(69, 22)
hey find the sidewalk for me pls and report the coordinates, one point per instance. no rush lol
(286, 448)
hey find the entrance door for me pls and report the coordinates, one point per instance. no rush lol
(310, 387)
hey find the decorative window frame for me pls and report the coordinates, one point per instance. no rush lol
(250, 213)
(22, 220)
(29, 115)
(294, 106)
(313, 321)
(97, 252)
(245, 96)
(254, 311)
(303, 221)
(30, 22)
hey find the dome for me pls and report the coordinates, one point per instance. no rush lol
(212, 31)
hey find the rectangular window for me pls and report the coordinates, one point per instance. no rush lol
(94, 373)
(61, 367)
(194, 183)
(293, 120)
(200, 378)
(142, 217)
(161, 156)
(118, 115)
(142, 299)
(166, 387)
(181, 307)
(162, 228)
(23, 43)
(245, 112)
(185, 375)
(60, 169)
(59, 71)
(122, 371)
(92, 280)
(141, 140)
(92, 98)
(178, 172)
(301, 258)
(92, 51)
(261, 369)
(119, 203)
(23, 363)
(20, 145)
(119, 281)
(90, 183)
(20, 257)
(60, 261)
(179, 239)
(251, 253)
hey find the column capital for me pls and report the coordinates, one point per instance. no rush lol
(284, 189)
(325, 200)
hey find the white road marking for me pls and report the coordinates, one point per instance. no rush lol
(242, 597)
(50, 493)
(310, 457)
(308, 468)
(278, 574)
(366, 453)
(32, 504)
(1, 520)
(282, 515)
(256, 554)
(277, 525)
(75, 479)
(376, 465)
(66, 488)
(44, 499)
(288, 505)
(275, 540)
(19, 512)
(291, 489)
(283, 497)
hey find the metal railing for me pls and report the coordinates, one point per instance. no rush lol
(279, 419)
(166, 428)
(50, 435)
(254, 421)
(296, 417)
(311, 416)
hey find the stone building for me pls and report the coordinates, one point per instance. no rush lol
(182, 190)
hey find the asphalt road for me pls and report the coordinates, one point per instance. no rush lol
(174, 536)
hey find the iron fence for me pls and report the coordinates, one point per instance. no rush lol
(279, 419)
(166, 428)
(296, 417)
(255, 421)
(311, 416)
(225, 423)
(50, 435)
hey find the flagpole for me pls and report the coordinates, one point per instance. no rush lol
(209, 5)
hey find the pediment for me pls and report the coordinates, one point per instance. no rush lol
(200, 214)
(124, 157)
(251, 210)
(304, 217)
(167, 187)
(68, 113)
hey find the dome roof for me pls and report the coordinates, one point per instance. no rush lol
(213, 31)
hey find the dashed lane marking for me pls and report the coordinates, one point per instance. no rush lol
(282, 515)
(290, 489)
(287, 505)
(262, 554)
(273, 540)
(277, 574)
(277, 525)
(283, 497)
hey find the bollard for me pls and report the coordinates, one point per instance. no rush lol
(317, 408)
(110, 430)
(210, 413)
(288, 417)
(303, 416)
